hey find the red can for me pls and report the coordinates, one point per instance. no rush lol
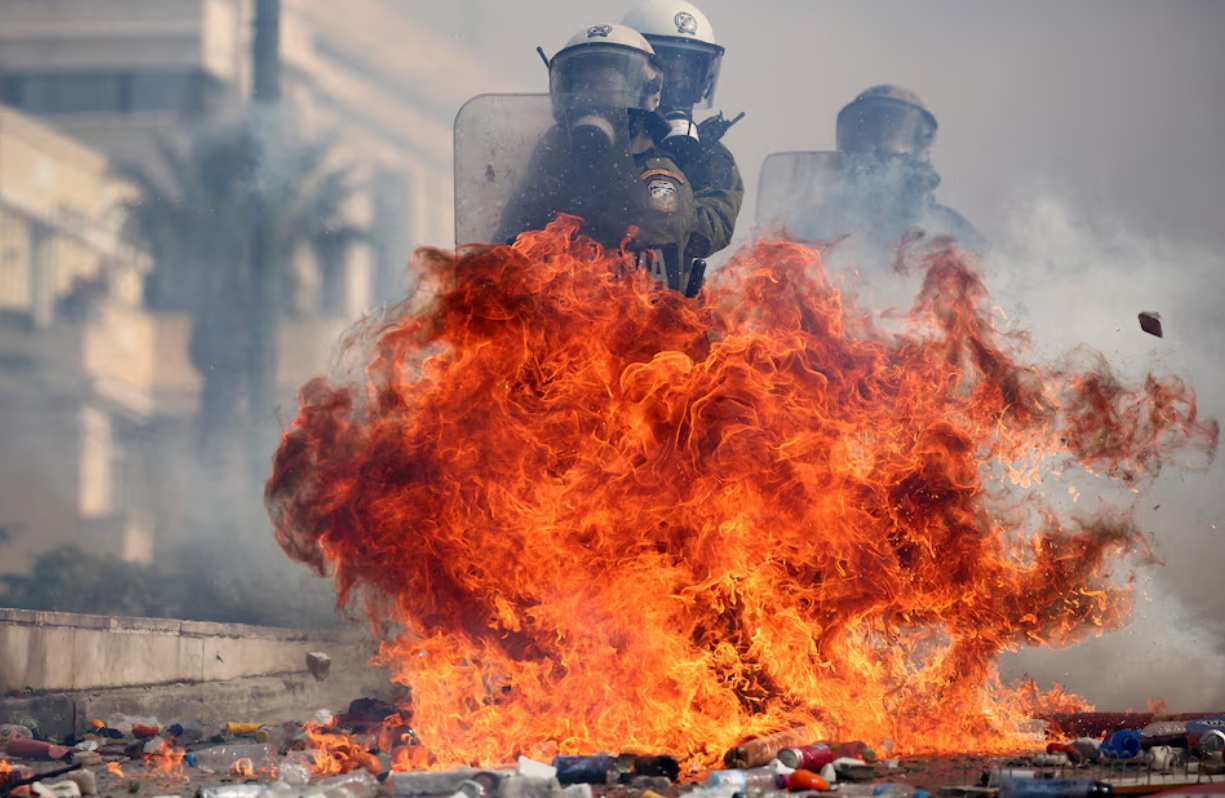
(807, 757)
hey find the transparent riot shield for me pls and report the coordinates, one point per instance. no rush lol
(520, 158)
(794, 186)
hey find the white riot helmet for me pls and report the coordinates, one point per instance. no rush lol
(610, 65)
(686, 48)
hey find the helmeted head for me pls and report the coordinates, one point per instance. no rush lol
(686, 48)
(886, 120)
(610, 66)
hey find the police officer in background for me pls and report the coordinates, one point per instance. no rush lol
(686, 48)
(602, 160)
(886, 183)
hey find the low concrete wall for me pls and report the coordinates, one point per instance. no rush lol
(88, 666)
(66, 651)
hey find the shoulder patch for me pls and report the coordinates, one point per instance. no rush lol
(663, 195)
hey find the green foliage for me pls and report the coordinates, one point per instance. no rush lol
(201, 202)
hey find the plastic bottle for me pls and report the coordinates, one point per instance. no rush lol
(420, 782)
(894, 789)
(358, 784)
(233, 791)
(753, 778)
(1054, 788)
(221, 758)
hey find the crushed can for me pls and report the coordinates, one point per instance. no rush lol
(807, 757)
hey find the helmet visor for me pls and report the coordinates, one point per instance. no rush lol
(884, 127)
(691, 70)
(606, 76)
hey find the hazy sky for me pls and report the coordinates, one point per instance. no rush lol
(1119, 103)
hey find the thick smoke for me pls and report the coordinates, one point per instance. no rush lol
(1079, 276)
(1074, 275)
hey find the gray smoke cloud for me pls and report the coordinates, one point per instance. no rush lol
(1074, 276)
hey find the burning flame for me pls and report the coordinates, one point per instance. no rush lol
(599, 516)
(336, 753)
(166, 760)
(115, 770)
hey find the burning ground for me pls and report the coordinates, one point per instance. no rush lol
(593, 515)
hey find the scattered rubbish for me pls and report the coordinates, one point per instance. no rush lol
(28, 748)
(585, 769)
(762, 750)
(851, 769)
(646, 782)
(530, 767)
(1087, 747)
(10, 730)
(242, 729)
(1121, 744)
(85, 780)
(126, 724)
(418, 782)
(142, 731)
(294, 775)
(252, 758)
(319, 664)
(808, 757)
(802, 780)
(1053, 788)
(1163, 757)
(234, 791)
(663, 766)
(516, 786)
(63, 789)
(358, 784)
(363, 713)
(134, 787)
(761, 778)
(1150, 322)
(1211, 743)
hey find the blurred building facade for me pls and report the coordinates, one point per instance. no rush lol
(97, 391)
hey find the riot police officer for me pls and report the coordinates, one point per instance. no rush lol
(691, 56)
(886, 183)
(602, 161)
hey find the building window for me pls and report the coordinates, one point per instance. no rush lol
(164, 91)
(88, 94)
(100, 92)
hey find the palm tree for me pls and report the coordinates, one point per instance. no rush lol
(198, 204)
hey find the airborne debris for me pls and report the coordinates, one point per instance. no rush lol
(319, 664)
(1151, 323)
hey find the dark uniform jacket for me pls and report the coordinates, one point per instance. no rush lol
(678, 218)
(880, 213)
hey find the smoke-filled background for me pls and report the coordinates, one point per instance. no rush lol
(1082, 139)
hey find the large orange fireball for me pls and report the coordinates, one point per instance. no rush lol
(595, 515)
